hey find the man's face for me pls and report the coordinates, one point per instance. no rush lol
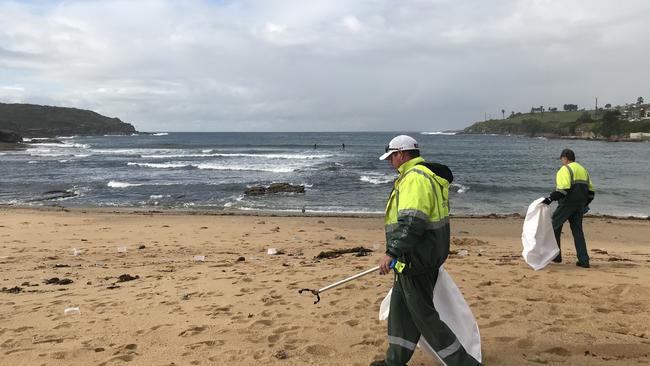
(396, 159)
(564, 160)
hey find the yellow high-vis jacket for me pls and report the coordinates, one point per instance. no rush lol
(573, 185)
(417, 217)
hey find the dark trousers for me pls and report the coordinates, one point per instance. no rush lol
(574, 214)
(412, 314)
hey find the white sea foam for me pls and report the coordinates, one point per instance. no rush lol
(376, 178)
(116, 184)
(177, 156)
(160, 134)
(460, 188)
(138, 152)
(439, 133)
(159, 196)
(208, 154)
(214, 166)
(169, 165)
(77, 145)
(229, 204)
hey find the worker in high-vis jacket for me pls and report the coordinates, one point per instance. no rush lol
(417, 237)
(574, 192)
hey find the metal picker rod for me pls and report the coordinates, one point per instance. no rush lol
(361, 274)
(317, 292)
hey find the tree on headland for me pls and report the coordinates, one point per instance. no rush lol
(611, 125)
(531, 126)
(585, 117)
(639, 100)
(503, 113)
(608, 106)
(570, 107)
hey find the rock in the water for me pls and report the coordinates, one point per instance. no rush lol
(10, 137)
(255, 191)
(53, 195)
(275, 188)
(46, 141)
(285, 187)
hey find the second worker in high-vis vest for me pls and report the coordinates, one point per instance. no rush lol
(418, 237)
(574, 192)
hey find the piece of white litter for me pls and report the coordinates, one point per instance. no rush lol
(272, 251)
(76, 252)
(463, 253)
(72, 311)
(199, 258)
(121, 249)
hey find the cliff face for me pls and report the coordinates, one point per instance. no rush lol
(30, 120)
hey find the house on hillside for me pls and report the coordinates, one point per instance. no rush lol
(640, 136)
(635, 111)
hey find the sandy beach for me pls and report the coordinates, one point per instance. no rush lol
(147, 297)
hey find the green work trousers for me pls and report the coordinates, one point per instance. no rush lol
(574, 214)
(412, 314)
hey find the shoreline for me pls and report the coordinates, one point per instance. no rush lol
(558, 137)
(272, 213)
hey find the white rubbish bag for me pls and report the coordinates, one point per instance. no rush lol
(537, 236)
(453, 310)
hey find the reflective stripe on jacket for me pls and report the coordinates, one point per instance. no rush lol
(574, 183)
(417, 218)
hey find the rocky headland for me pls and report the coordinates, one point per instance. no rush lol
(18, 121)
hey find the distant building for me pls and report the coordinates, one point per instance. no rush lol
(635, 112)
(640, 136)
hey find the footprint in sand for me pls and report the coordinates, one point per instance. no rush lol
(319, 350)
(263, 322)
(206, 344)
(352, 323)
(525, 343)
(558, 351)
(193, 331)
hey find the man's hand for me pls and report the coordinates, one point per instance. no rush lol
(547, 201)
(384, 264)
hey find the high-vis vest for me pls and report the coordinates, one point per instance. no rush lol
(417, 218)
(574, 183)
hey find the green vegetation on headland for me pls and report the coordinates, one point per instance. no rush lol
(30, 120)
(628, 122)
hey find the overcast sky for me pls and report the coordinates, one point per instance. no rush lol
(321, 65)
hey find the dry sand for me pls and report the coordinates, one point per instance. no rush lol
(225, 311)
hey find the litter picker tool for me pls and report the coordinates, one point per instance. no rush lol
(394, 264)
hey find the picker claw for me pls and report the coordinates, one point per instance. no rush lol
(314, 292)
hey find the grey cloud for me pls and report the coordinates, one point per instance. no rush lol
(320, 65)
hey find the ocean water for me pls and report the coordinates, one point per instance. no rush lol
(210, 171)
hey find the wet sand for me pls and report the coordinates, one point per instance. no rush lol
(144, 299)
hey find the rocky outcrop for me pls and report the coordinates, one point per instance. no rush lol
(55, 195)
(275, 188)
(10, 137)
(30, 120)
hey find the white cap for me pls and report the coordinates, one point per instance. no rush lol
(400, 143)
